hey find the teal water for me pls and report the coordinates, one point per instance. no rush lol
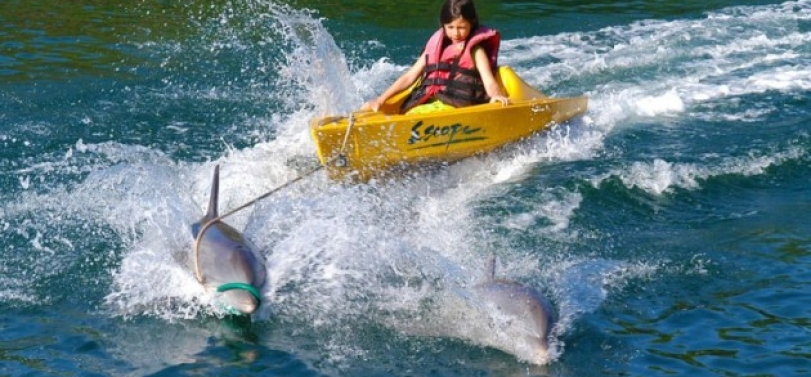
(669, 225)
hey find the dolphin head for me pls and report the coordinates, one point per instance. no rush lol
(521, 316)
(238, 298)
(524, 315)
(542, 318)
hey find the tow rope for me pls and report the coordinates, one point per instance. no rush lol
(340, 159)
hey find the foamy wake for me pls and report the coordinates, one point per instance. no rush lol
(659, 176)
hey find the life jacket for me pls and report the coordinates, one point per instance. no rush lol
(450, 77)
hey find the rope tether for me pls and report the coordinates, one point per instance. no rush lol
(346, 135)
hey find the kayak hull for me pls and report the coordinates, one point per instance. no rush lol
(365, 145)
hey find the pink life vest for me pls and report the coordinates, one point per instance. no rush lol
(450, 77)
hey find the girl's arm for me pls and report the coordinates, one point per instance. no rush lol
(402, 83)
(491, 85)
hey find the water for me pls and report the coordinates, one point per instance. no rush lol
(669, 225)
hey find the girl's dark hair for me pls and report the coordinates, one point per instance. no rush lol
(453, 9)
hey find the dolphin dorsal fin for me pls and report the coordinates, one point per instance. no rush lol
(215, 190)
(491, 268)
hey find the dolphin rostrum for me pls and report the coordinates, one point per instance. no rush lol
(225, 261)
(522, 314)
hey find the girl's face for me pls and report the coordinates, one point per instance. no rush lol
(457, 30)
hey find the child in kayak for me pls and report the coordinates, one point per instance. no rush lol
(456, 68)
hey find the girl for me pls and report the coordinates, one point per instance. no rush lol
(456, 66)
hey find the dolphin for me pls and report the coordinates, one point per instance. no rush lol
(493, 312)
(226, 262)
(523, 315)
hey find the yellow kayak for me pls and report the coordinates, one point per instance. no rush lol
(369, 144)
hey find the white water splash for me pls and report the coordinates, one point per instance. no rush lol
(660, 176)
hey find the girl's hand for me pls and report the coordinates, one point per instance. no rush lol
(372, 104)
(504, 100)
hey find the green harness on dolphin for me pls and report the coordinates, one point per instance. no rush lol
(243, 286)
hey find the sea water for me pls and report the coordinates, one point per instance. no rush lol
(668, 225)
